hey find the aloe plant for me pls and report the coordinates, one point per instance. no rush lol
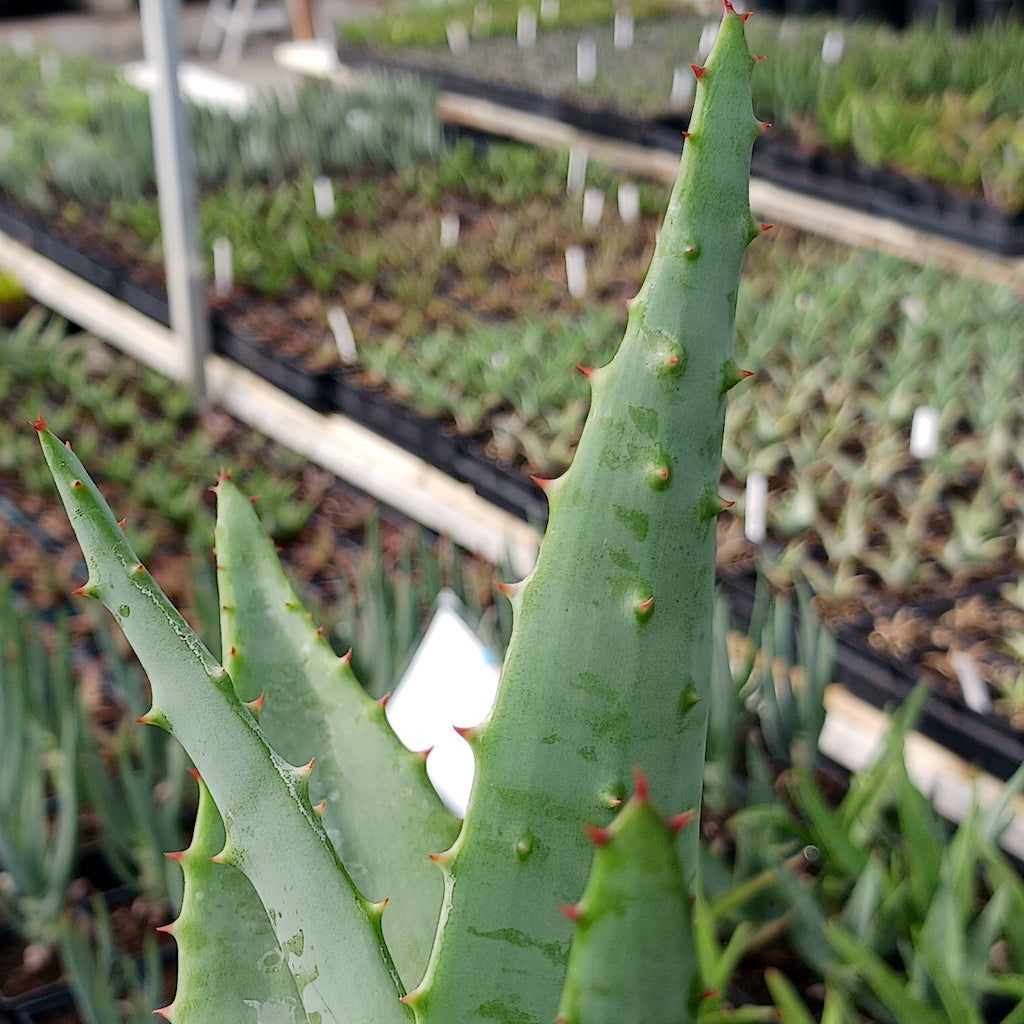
(323, 904)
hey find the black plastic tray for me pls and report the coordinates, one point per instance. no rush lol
(881, 192)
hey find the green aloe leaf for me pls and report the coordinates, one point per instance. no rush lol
(330, 933)
(379, 808)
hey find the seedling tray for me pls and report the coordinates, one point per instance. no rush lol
(877, 191)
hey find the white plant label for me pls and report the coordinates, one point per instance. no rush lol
(450, 227)
(343, 336)
(755, 504)
(323, 197)
(22, 43)
(913, 309)
(832, 47)
(629, 203)
(223, 271)
(481, 19)
(708, 35)
(458, 37)
(683, 83)
(586, 61)
(972, 685)
(576, 271)
(576, 176)
(593, 206)
(451, 682)
(548, 10)
(924, 432)
(49, 66)
(526, 27)
(622, 29)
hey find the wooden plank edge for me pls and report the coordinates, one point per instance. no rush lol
(384, 470)
(769, 201)
(853, 736)
(853, 729)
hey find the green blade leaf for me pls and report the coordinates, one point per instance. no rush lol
(331, 934)
(380, 810)
(231, 968)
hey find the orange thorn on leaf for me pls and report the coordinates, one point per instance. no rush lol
(677, 822)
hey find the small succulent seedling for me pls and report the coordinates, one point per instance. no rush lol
(324, 902)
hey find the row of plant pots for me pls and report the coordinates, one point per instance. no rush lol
(878, 191)
(981, 739)
(52, 1003)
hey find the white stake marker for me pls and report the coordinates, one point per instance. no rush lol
(629, 203)
(683, 84)
(576, 271)
(576, 176)
(343, 336)
(708, 34)
(622, 29)
(450, 226)
(49, 66)
(526, 27)
(972, 685)
(548, 10)
(586, 61)
(458, 37)
(924, 432)
(755, 504)
(593, 206)
(223, 271)
(832, 47)
(323, 197)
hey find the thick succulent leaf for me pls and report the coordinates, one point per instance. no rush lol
(231, 968)
(636, 899)
(331, 934)
(379, 808)
(611, 647)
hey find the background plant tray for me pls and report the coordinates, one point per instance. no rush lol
(981, 740)
(877, 191)
(878, 679)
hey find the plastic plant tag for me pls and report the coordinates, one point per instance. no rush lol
(22, 43)
(323, 197)
(755, 505)
(586, 60)
(924, 432)
(629, 202)
(343, 336)
(576, 271)
(972, 686)
(526, 27)
(913, 309)
(622, 30)
(49, 65)
(683, 84)
(548, 10)
(593, 206)
(576, 175)
(450, 227)
(708, 35)
(832, 47)
(223, 272)
(450, 682)
(458, 37)
(481, 19)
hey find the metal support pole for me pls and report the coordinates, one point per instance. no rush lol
(176, 189)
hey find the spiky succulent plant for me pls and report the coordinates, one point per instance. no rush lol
(311, 887)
